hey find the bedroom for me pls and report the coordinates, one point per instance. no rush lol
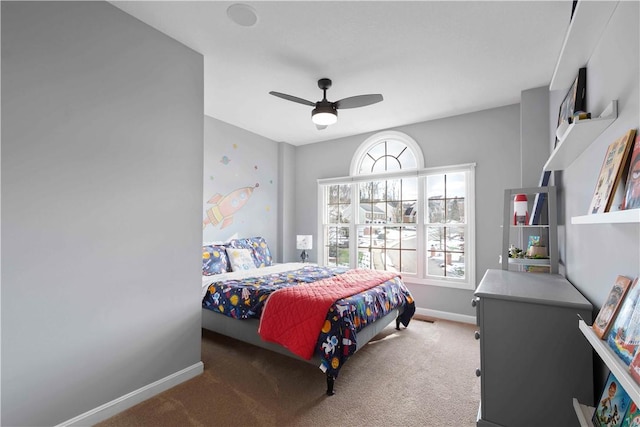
(86, 203)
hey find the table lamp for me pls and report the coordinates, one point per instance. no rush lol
(304, 242)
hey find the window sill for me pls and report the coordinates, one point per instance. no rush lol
(451, 284)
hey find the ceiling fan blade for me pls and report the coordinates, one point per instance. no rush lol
(320, 127)
(293, 98)
(358, 101)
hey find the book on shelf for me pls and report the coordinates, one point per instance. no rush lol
(540, 198)
(632, 418)
(611, 306)
(624, 336)
(612, 406)
(610, 173)
(632, 192)
(634, 367)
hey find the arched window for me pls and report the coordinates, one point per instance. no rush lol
(387, 151)
(393, 214)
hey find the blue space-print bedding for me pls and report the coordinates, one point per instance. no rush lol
(245, 298)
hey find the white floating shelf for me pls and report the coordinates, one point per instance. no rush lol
(590, 18)
(578, 136)
(584, 413)
(613, 362)
(616, 217)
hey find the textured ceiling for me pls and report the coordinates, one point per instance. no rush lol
(429, 59)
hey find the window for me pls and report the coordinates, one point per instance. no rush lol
(393, 214)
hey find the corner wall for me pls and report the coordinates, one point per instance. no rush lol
(102, 145)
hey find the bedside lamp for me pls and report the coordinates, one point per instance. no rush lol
(304, 242)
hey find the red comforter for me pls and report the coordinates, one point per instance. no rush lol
(293, 317)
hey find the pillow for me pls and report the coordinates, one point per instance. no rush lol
(240, 259)
(261, 253)
(258, 248)
(214, 260)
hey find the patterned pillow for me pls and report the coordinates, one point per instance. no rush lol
(240, 259)
(259, 250)
(214, 260)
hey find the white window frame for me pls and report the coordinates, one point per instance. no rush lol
(421, 173)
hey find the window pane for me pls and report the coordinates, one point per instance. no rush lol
(456, 185)
(409, 212)
(408, 160)
(435, 187)
(333, 193)
(333, 214)
(455, 210)
(345, 194)
(394, 190)
(435, 211)
(409, 188)
(378, 150)
(366, 166)
(455, 239)
(409, 262)
(366, 192)
(337, 245)
(435, 264)
(435, 239)
(364, 258)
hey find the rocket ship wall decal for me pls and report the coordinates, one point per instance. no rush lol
(224, 207)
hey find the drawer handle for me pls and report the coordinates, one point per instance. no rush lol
(474, 302)
(476, 335)
(478, 373)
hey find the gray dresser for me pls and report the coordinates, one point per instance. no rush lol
(533, 357)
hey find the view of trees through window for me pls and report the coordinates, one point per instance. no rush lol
(392, 224)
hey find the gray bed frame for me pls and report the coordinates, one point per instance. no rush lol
(247, 331)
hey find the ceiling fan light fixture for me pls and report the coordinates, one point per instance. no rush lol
(324, 115)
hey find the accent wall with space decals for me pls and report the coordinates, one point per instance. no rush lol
(240, 193)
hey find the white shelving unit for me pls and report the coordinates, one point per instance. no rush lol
(518, 234)
(587, 26)
(577, 138)
(613, 362)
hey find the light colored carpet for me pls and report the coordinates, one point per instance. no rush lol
(423, 375)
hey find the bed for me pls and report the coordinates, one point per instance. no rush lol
(321, 315)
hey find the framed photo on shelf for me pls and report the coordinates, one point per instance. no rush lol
(575, 101)
(632, 193)
(610, 308)
(610, 173)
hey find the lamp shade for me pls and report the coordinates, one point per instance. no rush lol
(324, 115)
(304, 241)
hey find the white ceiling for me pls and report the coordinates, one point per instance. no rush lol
(429, 59)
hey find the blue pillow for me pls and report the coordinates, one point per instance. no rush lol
(214, 260)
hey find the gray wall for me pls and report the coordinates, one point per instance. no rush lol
(595, 254)
(102, 121)
(490, 138)
(238, 160)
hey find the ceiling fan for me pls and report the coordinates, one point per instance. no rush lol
(325, 112)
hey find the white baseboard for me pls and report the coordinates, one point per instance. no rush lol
(122, 403)
(455, 317)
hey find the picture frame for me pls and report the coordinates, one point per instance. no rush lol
(575, 101)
